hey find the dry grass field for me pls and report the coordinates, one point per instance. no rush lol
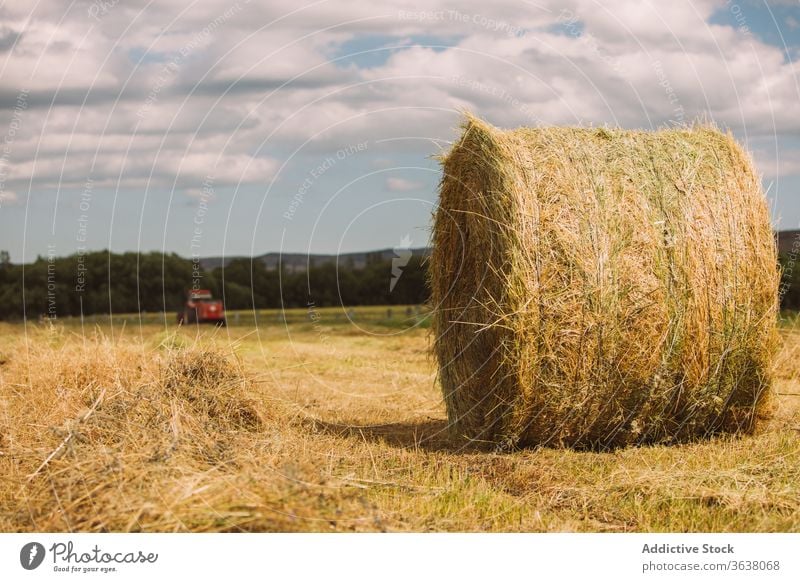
(330, 427)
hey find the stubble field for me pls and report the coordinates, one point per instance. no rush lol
(330, 426)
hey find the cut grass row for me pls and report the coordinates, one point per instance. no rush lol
(351, 436)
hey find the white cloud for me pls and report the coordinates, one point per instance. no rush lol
(8, 197)
(219, 169)
(248, 89)
(782, 166)
(402, 185)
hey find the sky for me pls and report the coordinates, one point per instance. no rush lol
(215, 128)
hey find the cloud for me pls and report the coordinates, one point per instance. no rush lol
(219, 169)
(142, 98)
(199, 193)
(785, 165)
(8, 38)
(402, 185)
(8, 197)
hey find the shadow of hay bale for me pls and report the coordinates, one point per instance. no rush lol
(427, 435)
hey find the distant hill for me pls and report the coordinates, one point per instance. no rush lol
(298, 263)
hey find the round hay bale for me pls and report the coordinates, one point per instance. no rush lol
(597, 288)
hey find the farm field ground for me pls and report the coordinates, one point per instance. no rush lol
(329, 425)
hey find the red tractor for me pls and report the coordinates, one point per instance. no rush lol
(200, 307)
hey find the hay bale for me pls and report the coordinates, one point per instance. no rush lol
(597, 288)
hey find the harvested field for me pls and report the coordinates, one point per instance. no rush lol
(327, 427)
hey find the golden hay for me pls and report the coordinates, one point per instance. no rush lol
(597, 288)
(111, 436)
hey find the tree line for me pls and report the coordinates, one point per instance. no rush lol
(102, 282)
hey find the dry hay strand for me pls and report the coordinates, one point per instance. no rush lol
(113, 436)
(597, 288)
(209, 382)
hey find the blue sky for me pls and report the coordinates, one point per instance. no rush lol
(137, 126)
(777, 24)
